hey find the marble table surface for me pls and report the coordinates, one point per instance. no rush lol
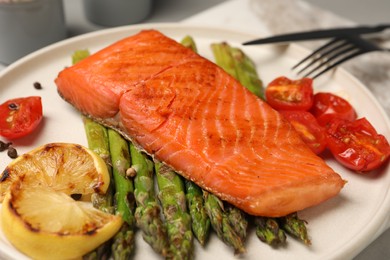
(258, 17)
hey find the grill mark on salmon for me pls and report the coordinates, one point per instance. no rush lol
(187, 112)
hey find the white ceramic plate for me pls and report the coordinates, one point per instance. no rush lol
(339, 228)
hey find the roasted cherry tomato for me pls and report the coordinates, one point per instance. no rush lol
(327, 106)
(308, 128)
(286, 94)
(356, 144)
(20, 116)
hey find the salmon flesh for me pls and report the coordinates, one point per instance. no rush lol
(187, 112)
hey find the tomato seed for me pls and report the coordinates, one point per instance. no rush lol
(13, 106)
(346, 140)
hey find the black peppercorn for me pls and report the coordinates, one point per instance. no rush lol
(76, 196)
(4, 146)
(37, 85)
(12, 153)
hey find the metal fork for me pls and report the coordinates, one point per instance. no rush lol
(334, 53)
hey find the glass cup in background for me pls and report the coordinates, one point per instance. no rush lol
(116, 12)
(28, 25)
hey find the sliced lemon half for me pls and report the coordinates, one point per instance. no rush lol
(71, 168)
(40, 217)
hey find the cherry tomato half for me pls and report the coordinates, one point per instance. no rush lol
(327, 106)
(356, 144)
(308, 128)
(286, 94)
(20, 116)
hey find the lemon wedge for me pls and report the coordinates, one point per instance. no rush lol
(40, 217)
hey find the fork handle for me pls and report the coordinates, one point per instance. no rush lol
(382, 27)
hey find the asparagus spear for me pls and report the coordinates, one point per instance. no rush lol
(268, 231)
(79, 55)
(240, 66)
(147, 213)
(296, 227)
(235, 62)
(173, 200)
(223, 58)
(221, 224)
(200, 219)
(246, 72)
(194, 195)
(233, 220)
(123, 242)
(189, 42)
(238, 219)
(97, 137)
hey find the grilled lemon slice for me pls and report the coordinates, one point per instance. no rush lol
(70, 168)
(40, 217)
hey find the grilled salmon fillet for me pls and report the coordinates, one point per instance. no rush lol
(185, 111)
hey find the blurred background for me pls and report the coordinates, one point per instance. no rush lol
(359, 11)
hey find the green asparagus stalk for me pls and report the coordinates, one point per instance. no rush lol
(221, 224)
(147, 213)
(240, 66)
(223, 58)
(173, 201)
(194, 195)
(233, 217)
(268, 231)
(189, 42)
(79, 55)
(296, 227)
(238, 219)
(235, 62)
(97, 137)
(246, 72)
(200, 219)
(123, 242)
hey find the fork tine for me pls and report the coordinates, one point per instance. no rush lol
(334, 54)
(353, 54)
(316, 51)
(343, 46)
